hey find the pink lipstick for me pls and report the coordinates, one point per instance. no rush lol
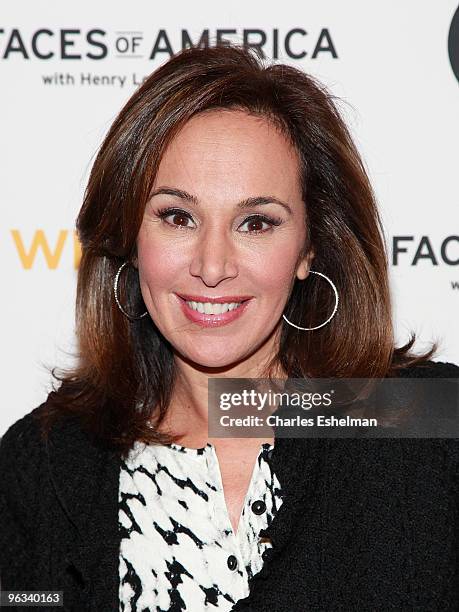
(213, 320)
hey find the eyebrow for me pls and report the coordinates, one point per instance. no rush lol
(246, 203)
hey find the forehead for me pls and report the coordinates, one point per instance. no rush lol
(221, 145)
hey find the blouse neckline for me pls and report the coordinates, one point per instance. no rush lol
(207, 448)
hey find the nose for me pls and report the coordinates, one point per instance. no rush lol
(214, 257)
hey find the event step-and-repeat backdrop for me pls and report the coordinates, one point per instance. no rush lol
(66, 69)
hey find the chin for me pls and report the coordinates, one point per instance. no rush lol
(206, 359)
(209, 362)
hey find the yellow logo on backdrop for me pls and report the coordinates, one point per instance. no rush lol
(52, 255)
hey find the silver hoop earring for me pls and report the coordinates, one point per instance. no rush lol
(115, 291)
(332, 314)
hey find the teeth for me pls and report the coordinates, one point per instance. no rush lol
(215, 309)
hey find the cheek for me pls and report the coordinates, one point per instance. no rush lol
(274, 283)
(276, 266)
(159, 262)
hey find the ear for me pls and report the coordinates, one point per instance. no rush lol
(304, 265)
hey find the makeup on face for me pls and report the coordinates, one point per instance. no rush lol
(219, 243)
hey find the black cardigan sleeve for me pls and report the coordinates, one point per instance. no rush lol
(20, 461)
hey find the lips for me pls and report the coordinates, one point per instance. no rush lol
(225, 299)
(210, 320)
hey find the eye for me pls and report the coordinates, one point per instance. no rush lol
(175, 213)
(258, 220)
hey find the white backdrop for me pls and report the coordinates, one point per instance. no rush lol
(388, 61)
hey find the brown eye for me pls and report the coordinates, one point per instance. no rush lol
(255, 225)
(182, 219)
(175, 217)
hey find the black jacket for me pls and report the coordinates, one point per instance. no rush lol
(366, 524)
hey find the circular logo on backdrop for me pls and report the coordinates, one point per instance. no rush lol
(453, 44)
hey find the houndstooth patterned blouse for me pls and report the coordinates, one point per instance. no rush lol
(178, 549)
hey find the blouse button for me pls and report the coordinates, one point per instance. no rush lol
(266, 554)
(232, 562)
(259, 506)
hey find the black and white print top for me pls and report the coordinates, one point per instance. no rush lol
(178, 548)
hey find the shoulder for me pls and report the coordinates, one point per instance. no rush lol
(23, 462)
(25, 432)
(431, 460)
(24, 447)
(445, 401)
(431, 369)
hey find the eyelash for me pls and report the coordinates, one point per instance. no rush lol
(162, 213)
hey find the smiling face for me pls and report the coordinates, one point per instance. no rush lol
(226, 220)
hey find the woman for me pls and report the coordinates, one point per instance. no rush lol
(226, 181)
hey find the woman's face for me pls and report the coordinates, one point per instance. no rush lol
(234, 231)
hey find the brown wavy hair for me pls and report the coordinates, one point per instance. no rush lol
(125, 371)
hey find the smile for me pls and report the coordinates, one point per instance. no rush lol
(213, 314)
(213, 309)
